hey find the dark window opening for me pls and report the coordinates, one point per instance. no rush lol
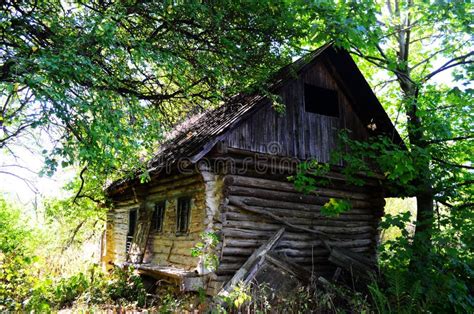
(158, 217)
(132, 222)
(182, 214)
(321, 100)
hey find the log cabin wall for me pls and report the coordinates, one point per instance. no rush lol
(116, 233)
(166, 248)
(295, 132)
(243, 232)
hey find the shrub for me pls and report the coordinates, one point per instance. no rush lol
(119, 287)
(16, 258)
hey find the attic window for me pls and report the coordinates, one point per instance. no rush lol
(158, 217)
(182, 214)
(320, 100)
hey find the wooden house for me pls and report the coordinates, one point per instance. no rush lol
(226, 172)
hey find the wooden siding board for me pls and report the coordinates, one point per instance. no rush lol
(299, 133)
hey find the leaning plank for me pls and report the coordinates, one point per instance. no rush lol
(142, 231)
(257, 254)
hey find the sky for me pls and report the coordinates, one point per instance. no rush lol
(23, 185)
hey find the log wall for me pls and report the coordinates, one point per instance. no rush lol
(243, 232)
(216, 196)
(166, 248)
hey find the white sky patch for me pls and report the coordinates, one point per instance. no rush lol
(20, 181)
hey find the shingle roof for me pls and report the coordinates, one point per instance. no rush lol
(201, 132)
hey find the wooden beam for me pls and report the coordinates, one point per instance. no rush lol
(257, 255)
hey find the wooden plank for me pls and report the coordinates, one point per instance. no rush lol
(142, 230)
(257, 254)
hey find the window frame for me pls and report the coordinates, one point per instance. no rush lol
(321, 100)
(179, 214)
(158, 209)
(131, 228)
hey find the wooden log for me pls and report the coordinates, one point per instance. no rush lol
(233, 259)
(192, 185)
(319, 221)
(228, 268)
(315, 243)
(282, 221)
(294, 234)
(246, 242)
(296, 197)
(321, 231)
(309, 209)
(290, 252)
(271, 166)
(315, 260)
(298, 243)
(245, 181)
(308, 227)
(238, 252)
(294, 161)
(175, 178)
(340, 183)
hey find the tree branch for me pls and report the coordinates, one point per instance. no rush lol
(453, 139)
(452, 164)
(73, 236)
(82, 185)
(450, 64)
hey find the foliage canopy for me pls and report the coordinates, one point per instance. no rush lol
(105, 79)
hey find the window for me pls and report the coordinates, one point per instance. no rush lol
(182, 214)
(321, 100)
(132, 222)
(158, 217)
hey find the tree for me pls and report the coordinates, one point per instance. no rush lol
(406, 45)
(104, 79)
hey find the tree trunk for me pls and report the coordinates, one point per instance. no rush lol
(424, 191)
